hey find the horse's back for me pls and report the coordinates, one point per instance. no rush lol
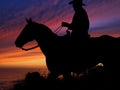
(97, 49)
(107, 49)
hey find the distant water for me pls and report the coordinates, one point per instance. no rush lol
(10, 75)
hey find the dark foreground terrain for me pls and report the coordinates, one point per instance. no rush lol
(94, 80)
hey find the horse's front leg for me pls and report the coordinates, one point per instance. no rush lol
(67, 76)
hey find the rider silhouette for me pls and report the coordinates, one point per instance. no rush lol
(80, 22)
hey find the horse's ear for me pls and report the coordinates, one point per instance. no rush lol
(29, 20)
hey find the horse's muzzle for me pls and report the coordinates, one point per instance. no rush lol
(18, 44)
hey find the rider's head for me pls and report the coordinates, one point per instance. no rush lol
(77, 4)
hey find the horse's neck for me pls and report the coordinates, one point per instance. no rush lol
(45, 41)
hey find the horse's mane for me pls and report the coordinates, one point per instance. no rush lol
(45, 29)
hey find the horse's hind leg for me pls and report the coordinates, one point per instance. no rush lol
(109, 71)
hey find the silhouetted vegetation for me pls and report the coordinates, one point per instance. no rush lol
(93, 80)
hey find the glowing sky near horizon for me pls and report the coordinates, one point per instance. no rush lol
(104, 18)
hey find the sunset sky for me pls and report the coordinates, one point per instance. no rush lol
(104, 16)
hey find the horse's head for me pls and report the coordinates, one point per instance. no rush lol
(34, 31)
(26, 35)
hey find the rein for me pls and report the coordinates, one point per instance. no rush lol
(58, 29)
(26, 49)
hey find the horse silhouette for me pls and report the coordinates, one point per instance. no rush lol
(63, 57)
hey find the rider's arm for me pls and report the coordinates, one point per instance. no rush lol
(65, 24)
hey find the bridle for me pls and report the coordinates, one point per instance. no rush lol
(26, 49)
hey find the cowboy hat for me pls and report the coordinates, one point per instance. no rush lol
(77, 2)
